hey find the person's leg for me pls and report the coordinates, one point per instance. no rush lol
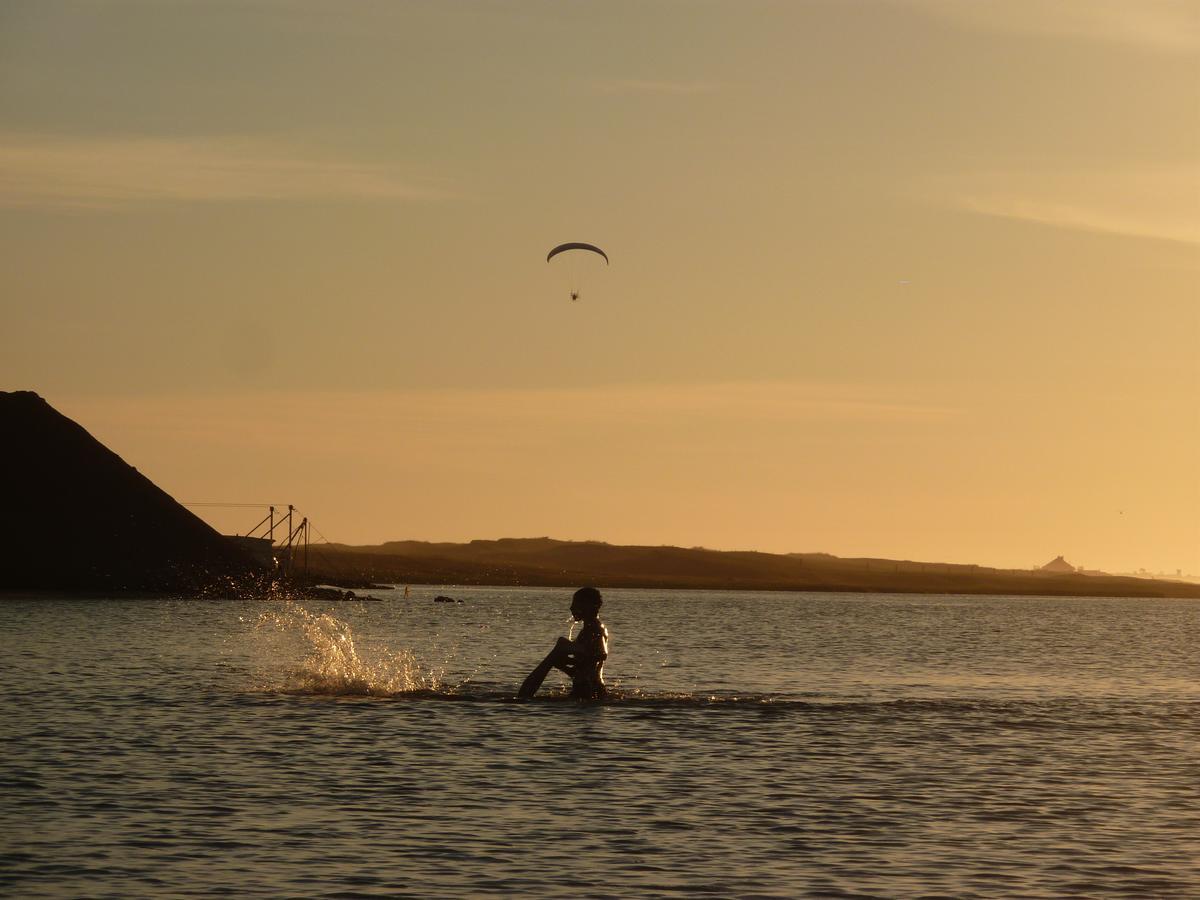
(531, 684)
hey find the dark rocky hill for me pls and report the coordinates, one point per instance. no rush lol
(74, 515)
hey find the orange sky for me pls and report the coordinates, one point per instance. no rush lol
(908, 278)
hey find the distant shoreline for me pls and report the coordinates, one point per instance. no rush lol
(360, 593)
(545, 562)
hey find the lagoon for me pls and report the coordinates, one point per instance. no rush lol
(756, 745)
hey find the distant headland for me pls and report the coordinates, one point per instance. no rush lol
(77, 517)
(548, 562)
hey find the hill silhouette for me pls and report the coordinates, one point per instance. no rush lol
(548, 562)
(77, 516)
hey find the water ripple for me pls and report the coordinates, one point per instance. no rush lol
(176, 749)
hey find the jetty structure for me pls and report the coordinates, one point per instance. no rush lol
(75, 516)
(286, 555)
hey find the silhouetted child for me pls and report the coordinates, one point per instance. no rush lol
(581, 659)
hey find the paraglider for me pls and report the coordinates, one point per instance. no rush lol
(576, 246)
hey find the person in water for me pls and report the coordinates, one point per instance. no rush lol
(582, 659)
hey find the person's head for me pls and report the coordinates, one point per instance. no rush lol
(586, 603)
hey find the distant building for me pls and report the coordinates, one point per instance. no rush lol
(258, 549)
(1058, 564)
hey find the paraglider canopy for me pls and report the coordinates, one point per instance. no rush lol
(575, 245)
(577, 263)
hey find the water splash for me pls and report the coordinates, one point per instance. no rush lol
(333, 665)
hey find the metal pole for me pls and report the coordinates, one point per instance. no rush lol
(271, 534)
(254, 530)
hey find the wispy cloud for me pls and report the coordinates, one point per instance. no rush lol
(99, 173)
(1163, 24)
(1163, 203)
(651, 86)
(524, 413)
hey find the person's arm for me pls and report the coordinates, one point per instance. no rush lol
(588, 649)
(565, 655)
(591, 647)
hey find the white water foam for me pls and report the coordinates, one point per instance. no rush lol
(333, 665)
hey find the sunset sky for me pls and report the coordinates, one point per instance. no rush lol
(902, 278)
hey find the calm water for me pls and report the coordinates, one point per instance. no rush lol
(757, 745)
